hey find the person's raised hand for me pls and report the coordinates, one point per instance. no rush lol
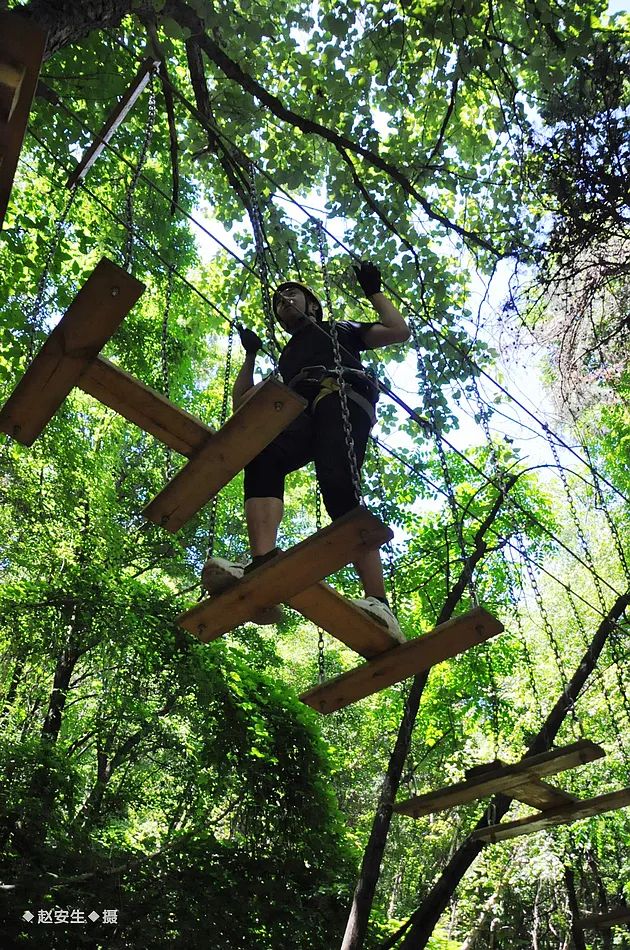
(369, 277)
(250, 340)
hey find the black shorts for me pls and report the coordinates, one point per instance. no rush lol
(317, 435)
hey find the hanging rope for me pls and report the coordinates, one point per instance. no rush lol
(165, 359)
(225, 404)
(343, 393)
(321, 647)
(146, 144)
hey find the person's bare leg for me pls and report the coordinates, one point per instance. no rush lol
(370, 571)
(263, 517)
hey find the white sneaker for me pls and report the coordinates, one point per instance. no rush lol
(218, 574)
(382, 613)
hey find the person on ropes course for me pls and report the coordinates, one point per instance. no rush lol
(307, 364)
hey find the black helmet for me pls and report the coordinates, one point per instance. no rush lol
(308, 293)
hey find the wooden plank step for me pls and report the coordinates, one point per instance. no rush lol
(503, 779)
(284, 576)
(532, 790)
(565, 815)
(144, 407)
(91, 319)
(114, 120)
(22, 46)
(332, 612)
(613, 918)
(256, 422)
(407, 659)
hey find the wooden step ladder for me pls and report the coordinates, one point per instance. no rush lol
(70, 358)
(521, 781)
(295, 578)
(22, 46)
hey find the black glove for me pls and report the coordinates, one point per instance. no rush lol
(250, 340)
(369, 276)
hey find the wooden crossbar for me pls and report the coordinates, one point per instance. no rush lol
(22, 46)
(507, 779)
(116, 117)
(349, 624)
(256, 422)
(565, 815)
(284, 576)
(407, 659)
(93, 316)
(144, 407)
(614, 918)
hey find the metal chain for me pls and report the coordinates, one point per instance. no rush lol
(166, 383)
(225, 402)
(601, 679)
(529, 665)
(146, 144)
(614, 530)
(549, 632)
(321, 646)
(391, 566)
(588, 557)
(261, 264)
(343, 394)
(429, 406)
(34, 314)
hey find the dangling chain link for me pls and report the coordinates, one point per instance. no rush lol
(261, 264)
(614, 531)
(34, 315)
(448, 484)
(146, 144)
(343, 394)
(601, 679)
(588, 557)
(321, 647)
(212, 524)
(166, 383)
(533, 580)
(391, 566)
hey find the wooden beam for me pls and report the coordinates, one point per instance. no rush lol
(144, 407)
(405, 660)
(116, 117)
(564, 815)
(284, 576)
(94, 315)
(614, 918)
(22, 46)
(502, 779)
(256, 422)
(332, 612)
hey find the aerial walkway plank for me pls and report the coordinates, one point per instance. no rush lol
(281, 578)
(256, 422)
(145, 407)
(564, 815)
(407, 659)
(505, 779)
(22, 45)
(329, 610)
(94, 315)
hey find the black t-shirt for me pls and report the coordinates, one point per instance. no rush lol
(312, 347)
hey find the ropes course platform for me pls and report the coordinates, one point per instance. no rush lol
(404, 660)
(22, 46)
(521, 781)
(285, 576)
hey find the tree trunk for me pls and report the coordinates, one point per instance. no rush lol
(423, 921)
(63, 674)
(576, 930)
(68, 21)
(358, 919)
